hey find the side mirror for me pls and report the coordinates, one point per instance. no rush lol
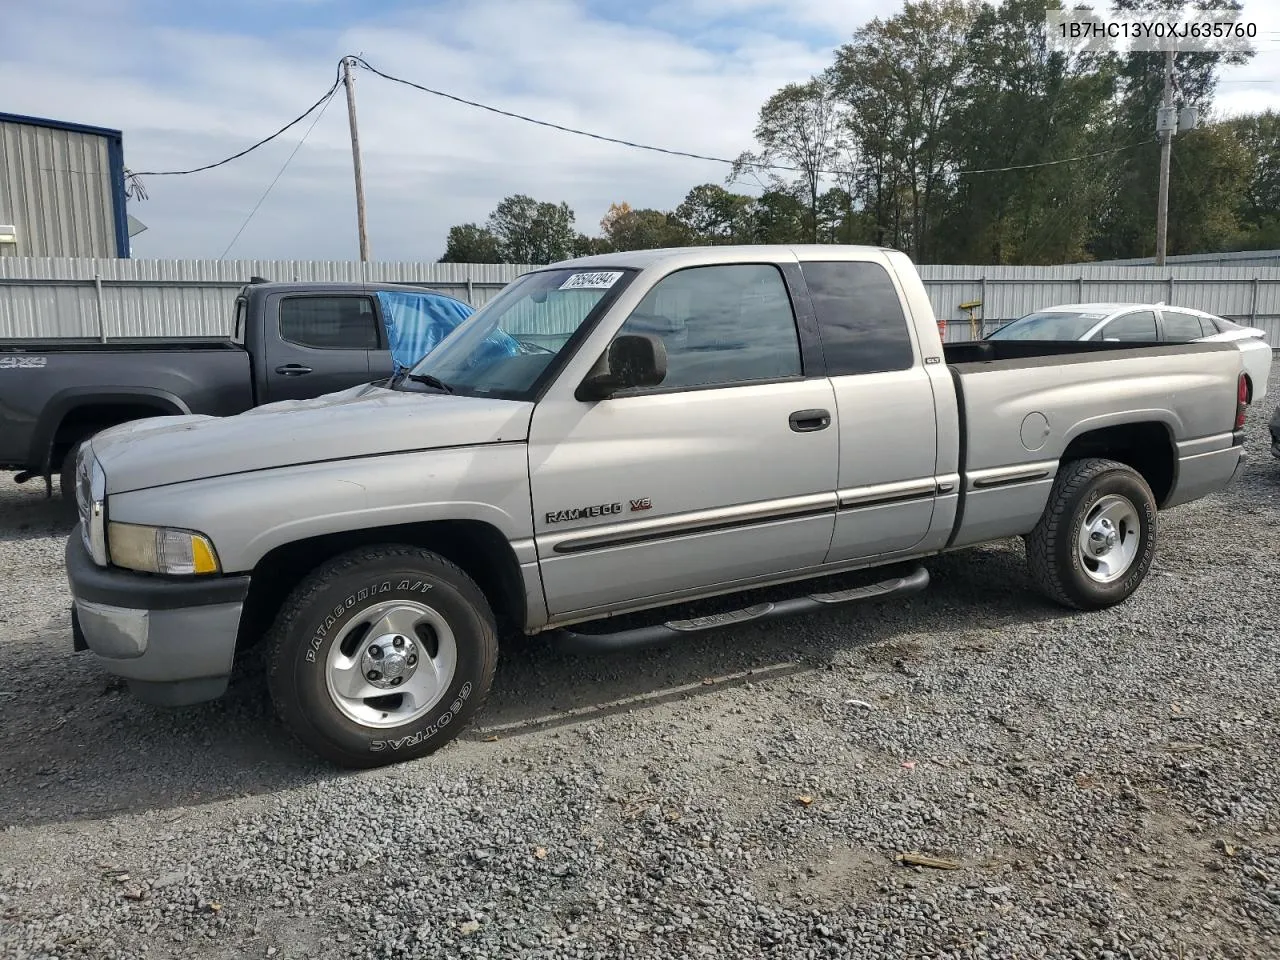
(632, 360)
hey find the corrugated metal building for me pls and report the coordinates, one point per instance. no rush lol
(1234, 258)
(61, 189)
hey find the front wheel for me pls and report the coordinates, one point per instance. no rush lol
(382, 654)
(1096, 540)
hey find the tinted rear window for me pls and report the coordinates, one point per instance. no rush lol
(237, 334)
(1137, 327)
(1049, 325)
(1181, 327)
(860, 317)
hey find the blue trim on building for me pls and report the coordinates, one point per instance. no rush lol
(115, 162)
(59, 125)
(115, 166)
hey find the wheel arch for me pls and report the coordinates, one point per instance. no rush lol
(478, 548)
(1145, 445)
(73, 413)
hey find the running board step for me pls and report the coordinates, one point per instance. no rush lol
(589, 638)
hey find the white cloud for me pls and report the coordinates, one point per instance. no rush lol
(184, 98)
(1254, 86)
(689, 75)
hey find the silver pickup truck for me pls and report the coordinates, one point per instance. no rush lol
(621, 450)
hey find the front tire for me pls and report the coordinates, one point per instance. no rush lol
(1096, 539)
(381, 655)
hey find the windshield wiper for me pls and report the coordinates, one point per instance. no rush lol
(424, 378)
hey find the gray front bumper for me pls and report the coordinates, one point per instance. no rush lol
(173, 639)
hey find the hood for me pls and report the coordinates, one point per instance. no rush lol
(363, 421)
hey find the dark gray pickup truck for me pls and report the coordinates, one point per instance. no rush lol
(291, 341)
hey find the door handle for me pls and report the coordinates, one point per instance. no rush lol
(292, 369)
(806, 421)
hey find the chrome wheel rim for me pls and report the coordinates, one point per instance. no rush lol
(391, 664)
(1109, 537)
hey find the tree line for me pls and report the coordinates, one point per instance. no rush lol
(938, 132)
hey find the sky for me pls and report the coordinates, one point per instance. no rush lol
(192, 82)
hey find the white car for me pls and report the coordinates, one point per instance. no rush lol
(1145, 323)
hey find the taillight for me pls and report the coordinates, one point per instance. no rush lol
(1242, 400)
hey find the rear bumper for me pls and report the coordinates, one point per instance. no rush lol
(1206, 466)
(172, 639)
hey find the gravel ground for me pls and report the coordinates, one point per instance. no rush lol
(1104, 784)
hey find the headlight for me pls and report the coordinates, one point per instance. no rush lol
(91, 497)
(160, 549)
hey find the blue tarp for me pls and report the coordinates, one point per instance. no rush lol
(417, 322)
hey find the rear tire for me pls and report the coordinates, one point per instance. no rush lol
(1096, 539)
(381, 655)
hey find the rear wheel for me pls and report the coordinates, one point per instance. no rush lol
(381, 655)
(1096, 540)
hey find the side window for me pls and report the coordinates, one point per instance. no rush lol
(329, 323)
(860, 317)
(237, 335)
(1139, 327)
(1182, 327)
(723, 325)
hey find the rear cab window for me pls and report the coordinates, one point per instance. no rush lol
(330, 322)
(860, 317)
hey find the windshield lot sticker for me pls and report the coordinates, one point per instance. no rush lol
(592, 281)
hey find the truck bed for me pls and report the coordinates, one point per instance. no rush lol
(1023, 403)
(41, 383)
(987, 351)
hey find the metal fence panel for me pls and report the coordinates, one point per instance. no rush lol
(65, 297)
(71, 297)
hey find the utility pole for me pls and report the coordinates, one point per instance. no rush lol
(1165, 124)
(349, 82)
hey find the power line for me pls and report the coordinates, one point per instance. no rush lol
(272, 184)
(1051, 163)
(582, 133)
(236, 156)
(699, 156)
(546, 123)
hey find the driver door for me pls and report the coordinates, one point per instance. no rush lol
(724, 472)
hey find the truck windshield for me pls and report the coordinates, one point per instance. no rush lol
(507, 347)
(1049, 325)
